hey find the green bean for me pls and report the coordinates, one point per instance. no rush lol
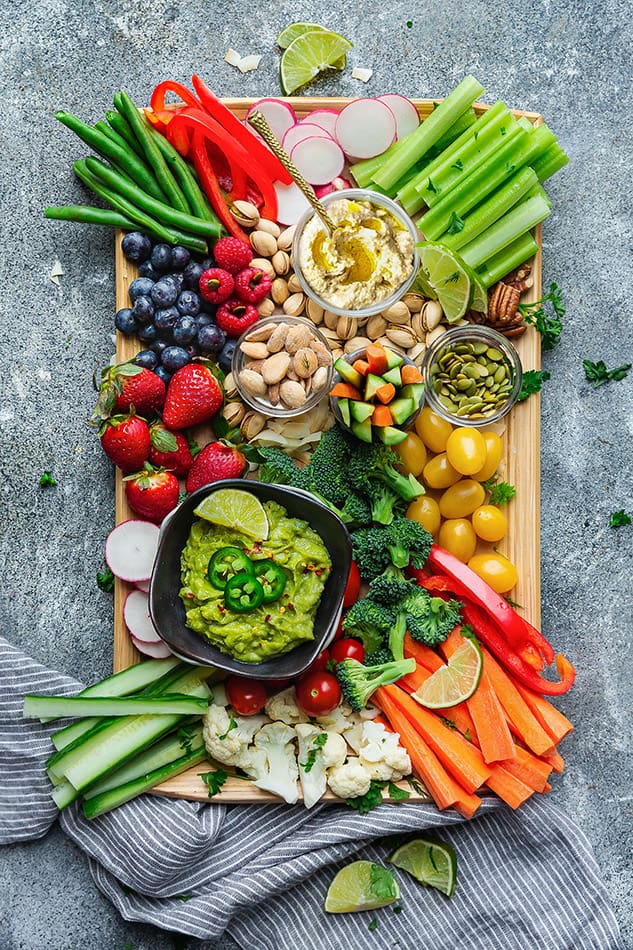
(165, 214)
(122, 127)
(105, 146)
(87, 214)
(103, 127)
(153, 154)
(198, 203)
(145, 221)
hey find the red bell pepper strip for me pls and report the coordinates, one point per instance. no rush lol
(242, 134)
(211, 187)
(188, 120)
(157, 101)
(160, 120)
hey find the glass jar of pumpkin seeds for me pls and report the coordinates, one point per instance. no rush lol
(472, 376)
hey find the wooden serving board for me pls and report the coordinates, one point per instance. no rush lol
(520, 466)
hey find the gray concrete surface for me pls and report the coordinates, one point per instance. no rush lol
(570, 61)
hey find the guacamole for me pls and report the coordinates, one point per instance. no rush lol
(271, 629)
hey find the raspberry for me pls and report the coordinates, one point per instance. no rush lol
(235, 316)
(216, 285)
(232, 254)
(252, 285)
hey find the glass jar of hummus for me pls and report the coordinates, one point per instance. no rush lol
(368, 263)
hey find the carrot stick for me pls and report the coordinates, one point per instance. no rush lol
(456, 754)
(521, 717)
(547, 788)
(528, 768)
(551, 719)
(422, 654)
(458, 715)
(510, 789)
(554, 759)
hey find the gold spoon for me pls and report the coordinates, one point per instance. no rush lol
(258, 121)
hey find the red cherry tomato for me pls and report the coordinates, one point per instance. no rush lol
(318, 665)
(318, 693)
(278, 683)
(246, 696)
(352, 590)
(348, 649)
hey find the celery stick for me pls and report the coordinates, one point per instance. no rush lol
(35, 706)
(493, 208)
(512, 225)
(525, 123)
(552, 161)
(465, 120)
(429, 132)
(506, 260)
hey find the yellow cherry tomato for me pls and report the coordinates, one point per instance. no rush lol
(494, 451)
(432, 429)
(496, 570)
(458, 537)
(439, 473)
(426, 511)
(490, 523)
(413, 454)
(466, 450)
(461, 499)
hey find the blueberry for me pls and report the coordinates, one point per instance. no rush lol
(211, 339)
(161, 257)
(207, 263)
(157, 347)
(204, 320)
(143, 310)
(191, 275)
(148, 270)
(141, 287)
(147, 359)
(177, 278)
(125, 322)
(188, 303)
(163, 374)
(137, 247)
(180, 257)
(174, 357)
(166, 318)
(148, 333)
(164, 292)
(185, 331)
(226, 355)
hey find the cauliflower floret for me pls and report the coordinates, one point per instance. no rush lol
(339, 720)
(282, 707)
(381, 753)
(350, 779)
(280, 770)
(317, 754)
(354, 736)
(334, 751)
(369, 712)
(227, 736)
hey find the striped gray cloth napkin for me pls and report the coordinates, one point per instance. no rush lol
(525, 880)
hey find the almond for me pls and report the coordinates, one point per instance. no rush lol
(292, 394)
(275, 367)
(305, 362)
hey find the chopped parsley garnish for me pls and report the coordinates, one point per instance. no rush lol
(185, 738)
(232, 725)
(619, 518)
(396, 793)
(409, 24)
(105, 580)
(598, 374)
(550, 327)
(459, 165)
(397, 909)
(432, 187)
(47, 480)
(319, 742)
(448, 722)
(467, 736)
(373, 924)
(382, 883)
(184, 897)
(371, 799)
(533, 379)
(214, 780)
(500, 492)
(455, 223)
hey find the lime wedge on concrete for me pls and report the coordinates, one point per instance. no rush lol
(309, 54)
(432, 863)
(361, 885)
(454, 683)
(234, 508)
(450, 278)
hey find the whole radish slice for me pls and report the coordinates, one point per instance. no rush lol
(130, 550)
(291, 203)
(318, 159)
(405, 113)
(365, 127)
(339, 184)
(159, 651)
(279, 115)
(301, 131)
(137, 618)
(325, 118)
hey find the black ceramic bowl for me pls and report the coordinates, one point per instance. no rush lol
(167, 610)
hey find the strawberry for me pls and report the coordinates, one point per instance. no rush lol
(193, 396)
(126, 441)
(152, 493)
(252, 285)
(234, 317)
(169, 450)
(216, 285)
(216, 461)
(232, 254)
(127, 385)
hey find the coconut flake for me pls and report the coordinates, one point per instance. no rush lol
(57, 271)
(248, 63)
(233, 58)
(363, 74)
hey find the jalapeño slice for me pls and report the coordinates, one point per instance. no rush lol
(225, 564)
(271, 577)
(243, 592)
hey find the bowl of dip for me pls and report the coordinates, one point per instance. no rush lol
(369, 262)
(310, 551)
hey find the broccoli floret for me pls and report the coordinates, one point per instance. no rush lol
(358, 681)
(392, 590)
(370, 551)
(408, 542)
(384, 502)
(369, 622)
(377, 461)
(431, 619)
(328, 470)
(280, 469)
(356, 511)
(378, 657)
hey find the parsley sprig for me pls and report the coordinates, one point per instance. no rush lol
(533, 379)
(47, 480)
(500, 492)
(105, 579)
(371, 799)
(619, 518)
(214, 780)
(549, 325)
(598, 374)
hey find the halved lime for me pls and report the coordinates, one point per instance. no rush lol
(308, 55)
(455, 682)
(433, 863)
(361, 885)
(294, 30)
(449, 277)
(480, 296)
(234, 508)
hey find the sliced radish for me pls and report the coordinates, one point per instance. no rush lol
(160, 650)
(291, 203)
(130, 550)
(279, 115)
(338, 184)
(365, 127)
(302, 131)
(405, 113)
(326, 118)
(143, 585)
(137, 618)
(319, 160)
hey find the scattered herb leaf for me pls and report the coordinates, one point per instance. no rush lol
(214, 780)
(459, 165)
(409, 24)
(397, 909)
(533, 379)
(373, 924)
(415, 785)
(432, 187)
(467, 736)
(503, 130)
(319, 742)
(598, 374)
(619, 518)
(512, 603)
(371, 799)
(105, 580)
(396, 793)
(182, 494)
(550, 327)
(232, 725)
(46, 480)
(448, 722)
(185, 737)
(500, 492)
(382, 883)
(184, 897)
(455, 223)
(67, 343)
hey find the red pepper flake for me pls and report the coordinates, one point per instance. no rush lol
(267, 618)
(221, 609)
(291, 607)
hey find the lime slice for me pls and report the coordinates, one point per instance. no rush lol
(233, 508)
(361, 885)
(449, 277)
(480, 296)
(291, 32)
(308, 55)
(432, 863)
(455, 682)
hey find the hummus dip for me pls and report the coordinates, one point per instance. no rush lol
(366, 259)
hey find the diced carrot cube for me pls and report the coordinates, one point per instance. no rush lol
(410, 374)
(345, 391)
(386, 393)
(381, 417)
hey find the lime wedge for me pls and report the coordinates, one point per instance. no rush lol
(480, 296)
(308, 55)
(291, 32)
(449, 277)
(455, 682)
(432, 863)
(361, 885)
(234, 508)
(422, 286)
